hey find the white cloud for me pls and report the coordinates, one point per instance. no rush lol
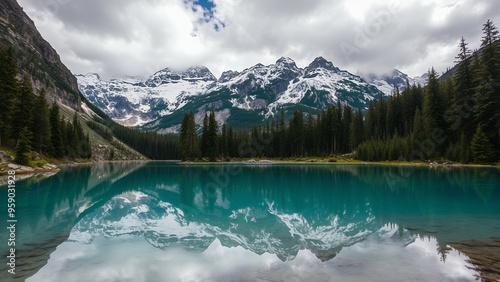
(128, 37)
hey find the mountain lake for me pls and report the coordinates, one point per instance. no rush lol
(164, 221)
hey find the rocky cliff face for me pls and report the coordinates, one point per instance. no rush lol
(35, 55)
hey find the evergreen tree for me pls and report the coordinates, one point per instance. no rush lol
(23, 115)
(464, 150)
(482, 150)
(212, 142)
(57, 149)
(79, 139)
(433, 111)
(489, 89)
(464, 94)
(188, 138)
(491, 55)
(8, 91)
(356, 130)
(224, 142)
(23, 149)
(64, 134)
(88, 147)
(231, 146)
(418, 135)
(41, 124)
(311, 136)
(282, 135)
(347, 118)
(296, 128)
(204, 137)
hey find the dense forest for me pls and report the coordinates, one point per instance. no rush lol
(455, 119)
(29, 124)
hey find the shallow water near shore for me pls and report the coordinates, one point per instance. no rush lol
(168, 222)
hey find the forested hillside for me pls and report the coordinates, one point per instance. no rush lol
(457, 119)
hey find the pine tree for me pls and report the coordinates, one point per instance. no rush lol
(464, 149)
(188, 138)
(224, 142)
(433, 111)
(489, 96)
(347, 118)
(8, 91)
(79, 140)
(57, 149)
(418, 135)
(23, 149)
(88, 147)
(282, 135)
(23, 115)
(204, 137)
(41, 124)
(296, 128)
(463, 98)
(482, 150)
(356, 130)
(212, 142)
(491, 57)
(231, 146)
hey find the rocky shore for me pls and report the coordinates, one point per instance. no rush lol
(6, 165)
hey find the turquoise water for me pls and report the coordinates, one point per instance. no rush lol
(162, 221)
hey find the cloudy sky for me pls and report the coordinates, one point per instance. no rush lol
(140, 37)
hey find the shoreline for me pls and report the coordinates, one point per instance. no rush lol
(55, 168)
(338, 162)
(25, 170)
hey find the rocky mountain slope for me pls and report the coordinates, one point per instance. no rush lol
(36, 57)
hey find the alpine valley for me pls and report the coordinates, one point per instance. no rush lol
(241, 99)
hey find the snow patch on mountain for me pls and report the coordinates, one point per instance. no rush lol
(261, 91)
(387, 82)
(135, 101)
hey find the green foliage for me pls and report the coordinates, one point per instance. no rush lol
(41, 125)
(101, 130)
(23, 149)
(188, 141)
(8, 91)
(442, 125)
(23, 109)
(482, 150)
(150, 144)
(212, 141)
(56, 135)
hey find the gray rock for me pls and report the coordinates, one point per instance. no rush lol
(4, 157)
(13, 166)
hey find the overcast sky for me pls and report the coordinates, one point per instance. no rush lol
(139, 37)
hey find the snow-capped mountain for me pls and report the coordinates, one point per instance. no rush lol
(241, 99)
(386, 82)
(135, 101)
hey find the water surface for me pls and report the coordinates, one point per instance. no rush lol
(167, 222)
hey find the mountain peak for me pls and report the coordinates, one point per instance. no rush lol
(227, 76)
(198, 72)
(321, 62)
(286, 62)
(194, 73)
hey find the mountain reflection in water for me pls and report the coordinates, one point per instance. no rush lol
(345, 221)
